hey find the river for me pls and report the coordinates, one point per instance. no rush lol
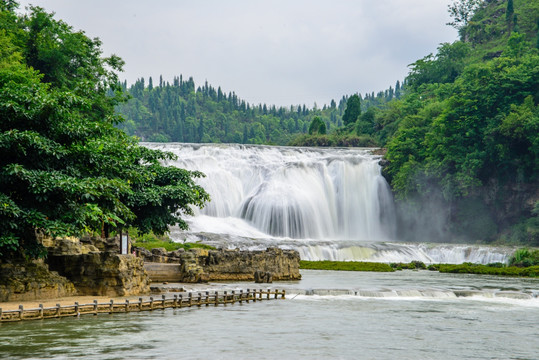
(337, 315)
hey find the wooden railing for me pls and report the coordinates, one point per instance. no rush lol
(177, 301)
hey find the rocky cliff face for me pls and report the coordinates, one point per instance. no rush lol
(31, 281)
(199, 265)
(95, 272)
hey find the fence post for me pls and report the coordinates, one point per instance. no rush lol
(276, 292)
(241, 296)
(190, 295)
(77, 309)
(248, 295)
(126, 306)
(151, 302)
(139, 304)
(284, 292)
(40, 312)
(111, 309)
(175, 304)
(207, 298)
(58, 310)
(268, 294)
(0, 314)
(163, 297)
(21, 311)
(95, 307)
(199, 300)
(216, 298)
(233, 296)
(225, 298)
(181, 300)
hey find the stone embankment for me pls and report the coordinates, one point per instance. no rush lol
(201, 265)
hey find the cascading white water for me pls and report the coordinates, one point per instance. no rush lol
(329, 204)
(294, 193)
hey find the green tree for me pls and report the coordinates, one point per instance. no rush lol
(509, 11)
(353, 110)
(64, 167)
(461, 11)
(317, 126)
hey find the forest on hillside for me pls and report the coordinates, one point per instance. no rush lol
(182, 112)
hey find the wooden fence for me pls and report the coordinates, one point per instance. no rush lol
(177, 301)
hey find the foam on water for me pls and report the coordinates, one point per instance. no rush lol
(508, 298)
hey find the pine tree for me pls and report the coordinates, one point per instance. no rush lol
(353, 110)
(515, 23)
(509, 11)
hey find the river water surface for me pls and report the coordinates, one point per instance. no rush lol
(341, 315)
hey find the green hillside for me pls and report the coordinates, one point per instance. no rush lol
(181, 112)
(466, 145)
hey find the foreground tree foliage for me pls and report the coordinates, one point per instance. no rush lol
(65, 168)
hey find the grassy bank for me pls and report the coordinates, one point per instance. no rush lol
(466, 268)
(345, 266)
(151, 241)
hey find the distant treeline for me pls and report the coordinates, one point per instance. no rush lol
(181, 112)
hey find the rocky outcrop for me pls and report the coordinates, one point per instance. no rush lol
(103, 273)
(242, 265)
(31, 281)
(200, 265)
(96, 272)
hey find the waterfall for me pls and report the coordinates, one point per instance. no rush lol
(297, 193)
(326, 203)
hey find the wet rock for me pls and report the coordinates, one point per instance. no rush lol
(263, 277)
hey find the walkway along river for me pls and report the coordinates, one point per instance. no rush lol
(176, 301)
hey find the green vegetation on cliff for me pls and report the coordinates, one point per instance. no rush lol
(65, 168)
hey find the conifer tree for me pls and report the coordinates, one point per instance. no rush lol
(509, 11)
(353, 110)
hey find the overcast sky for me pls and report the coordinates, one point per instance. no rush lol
(279, 52)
